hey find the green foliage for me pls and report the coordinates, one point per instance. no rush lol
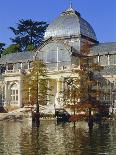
(28, 32)
(35, 85)
(1, 48)
(30, 47)
(11, 49)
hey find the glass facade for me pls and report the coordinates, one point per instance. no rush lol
(113, 59)
(104, 60)
(55, 55)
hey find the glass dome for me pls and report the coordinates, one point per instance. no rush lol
(70, 23)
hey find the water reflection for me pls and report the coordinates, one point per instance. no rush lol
(19, 138)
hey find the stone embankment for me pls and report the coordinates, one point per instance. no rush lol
(18, 114)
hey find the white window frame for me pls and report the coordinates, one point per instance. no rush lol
(14, 93)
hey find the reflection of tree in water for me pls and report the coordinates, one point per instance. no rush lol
(82, 141)
(64, 139)
(27, 146)
(92, 142)
(79, 140)
(32, 142)
(73, 137)
(98, 140)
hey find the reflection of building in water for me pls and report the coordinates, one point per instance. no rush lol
(11, 139)
(63, 40)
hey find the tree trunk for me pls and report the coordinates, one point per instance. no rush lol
(36, 116)
(90, 120)
(37, 108)
(89, 113)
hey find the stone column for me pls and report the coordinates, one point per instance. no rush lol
(62, 95)
(21, 65)
(98, 58)
(5, 93)
(57, 59)
(48, 92)
(2, 94)
(59, 95)
(29, 95)
(6, 67)
(63, 85)
(20, 93)
(108, 59)
(28, 65)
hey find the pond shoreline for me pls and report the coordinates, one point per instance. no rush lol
(19, 115)
(13, 116)
(22, 113)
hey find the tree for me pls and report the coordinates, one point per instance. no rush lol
(30, 47)
(28, 33)
(13, 48)
(83, 86)
(35, 86)
(1, 48)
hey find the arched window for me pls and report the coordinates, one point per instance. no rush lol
(14, 93)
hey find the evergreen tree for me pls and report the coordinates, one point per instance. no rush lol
(13, 48)
(28, 33)
(1, 48)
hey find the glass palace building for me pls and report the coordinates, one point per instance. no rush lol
(63, 40)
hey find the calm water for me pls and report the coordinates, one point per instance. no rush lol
(19, 138)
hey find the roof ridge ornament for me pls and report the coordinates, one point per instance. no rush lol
(70, 10)
(71, 5)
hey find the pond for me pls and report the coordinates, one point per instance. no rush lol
(20, 138)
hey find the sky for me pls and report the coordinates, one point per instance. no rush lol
(101, 14)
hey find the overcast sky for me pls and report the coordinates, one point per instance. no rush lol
(101, 14)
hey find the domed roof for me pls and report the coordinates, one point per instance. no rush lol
(70, 23)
